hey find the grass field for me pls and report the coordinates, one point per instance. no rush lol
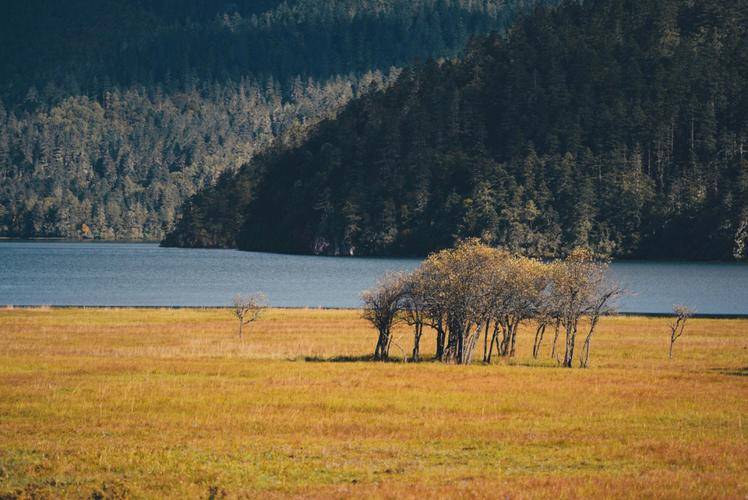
(153, 403)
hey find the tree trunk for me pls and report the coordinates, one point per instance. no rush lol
(465, 347)
(585, 359)
(459, 345)
(670, 353)
(485, 342)
(571, 334)
(513, 348)
(494, 341)
(505, 338)
(468, 347)
(584, 362)
(417, 342)
(555, 339)
(572, 344)
(539, 333)
(454, 337)
(377, 354)
(440, 337)
(381, 353)
(388, 344)
(241, 326)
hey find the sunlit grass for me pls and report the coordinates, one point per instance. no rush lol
(127, 402)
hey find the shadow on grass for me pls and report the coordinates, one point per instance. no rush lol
(735, 372)
(339, 359)
(365, 359)
(531, 364)
(424, 361)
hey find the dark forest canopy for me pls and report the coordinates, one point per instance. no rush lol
(87, 45)
(113, 112)
(615, 124)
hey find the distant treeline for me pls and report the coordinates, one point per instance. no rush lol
(615, 125)
(121, 167)
(113, 112)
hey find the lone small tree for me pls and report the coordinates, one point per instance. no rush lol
(682, 314)
(248, 308)
(382, 307)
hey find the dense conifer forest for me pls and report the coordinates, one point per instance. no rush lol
(113, 112)
(614, 124)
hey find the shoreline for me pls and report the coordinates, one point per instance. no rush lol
(10, 239)
(4, 239)
(10, 307)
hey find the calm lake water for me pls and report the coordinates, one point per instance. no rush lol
(114, 274)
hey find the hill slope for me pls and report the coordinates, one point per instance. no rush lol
(113, 112)
(615, 124)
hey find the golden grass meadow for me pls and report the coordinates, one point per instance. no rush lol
(113, 403)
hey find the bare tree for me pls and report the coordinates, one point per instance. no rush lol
(248, 309)
(554, 346)
(682, 314)
(601, 303)
(546, 314)
(583, 289)
(431, 289)
(461, 292)
(499, 303)
(549, 311)
(526, 290)
(382, 307)
(416, 308)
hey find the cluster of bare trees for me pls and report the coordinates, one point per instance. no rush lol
(474, 290)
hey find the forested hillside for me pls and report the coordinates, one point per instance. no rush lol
(112, 112)
(614, 124)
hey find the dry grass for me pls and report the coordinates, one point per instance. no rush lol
(169, 403)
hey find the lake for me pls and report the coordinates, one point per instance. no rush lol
(134, 274)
